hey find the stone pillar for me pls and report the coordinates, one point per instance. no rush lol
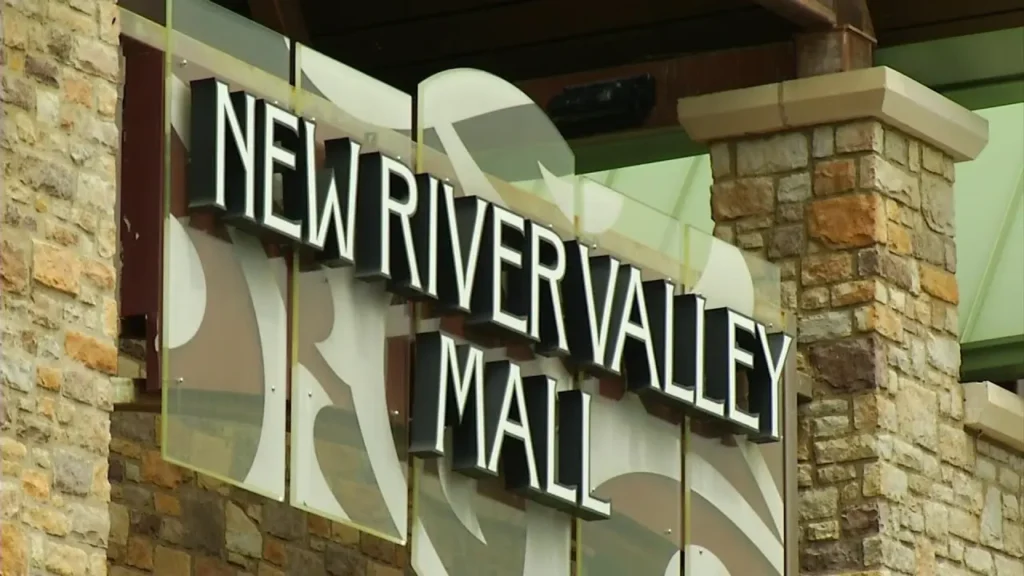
(846, 183)
(59, 317)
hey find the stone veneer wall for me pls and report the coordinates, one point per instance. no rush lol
(168, 521)
(59, 65)
(860, 219)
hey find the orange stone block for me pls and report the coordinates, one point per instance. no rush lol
(940, 284)
(92, 352)
(850, 221)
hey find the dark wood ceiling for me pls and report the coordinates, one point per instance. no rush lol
(404, 41)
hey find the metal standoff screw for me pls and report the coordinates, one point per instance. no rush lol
(394, 412)
(183, 63)
(179, 381)
(668, 531)
(273, 388)
(309, 394)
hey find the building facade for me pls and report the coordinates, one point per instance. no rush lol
(179, 398)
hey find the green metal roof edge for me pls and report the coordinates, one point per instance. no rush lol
(994, 360)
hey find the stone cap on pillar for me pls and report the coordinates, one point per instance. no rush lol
(879, 93)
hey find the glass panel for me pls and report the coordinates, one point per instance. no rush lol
(153, 10)
(467, 527)
(348, 436)
(350, 382)
(638, 466)
(207, 28)
(730, 277)
(349, 104)
(493, 141)
(737, 490)
(224, 343)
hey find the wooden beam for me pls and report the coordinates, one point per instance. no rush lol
(283, 16)
(808, 14)
(675, 78)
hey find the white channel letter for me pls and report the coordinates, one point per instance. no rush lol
(739, 356)
(320, 225)
(539, 235)
(519, 430)
(464, 277)
(701, 401)
(551, 485)
(640, 332)
(405, 211)
(244, 144)
(471, 379)
(503, 253)
(598, 331)
(274, 154)
(585, 499)
(775, 369)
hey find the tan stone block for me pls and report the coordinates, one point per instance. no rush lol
(837, 473)
(897, 147)
(721, 160)
(795, 187)
(830, 426)
(918, 414)
(771, 155)
(14, 270)
(111, 318)
(36, 484)
(835, 176)
(939, 283)
(885, 480)
(937, 204)
(880, 318)
(848, 449)
(818, 504)
(826, 268)
(45, 518)
(932, 160)
(865, 411)
(750, 241)
(899, 240)
(65, 560)
(101, 274)
(865, 136)
(914, 155)
(814, 298)
(742, 198)
(1013, 535)
(49, 378)
(956, 447)
(56, 267)
(823, 141)
(856, 292)
(15, 557)
(880, 175)
(92, 352)
(850, 221)
(158, 471)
